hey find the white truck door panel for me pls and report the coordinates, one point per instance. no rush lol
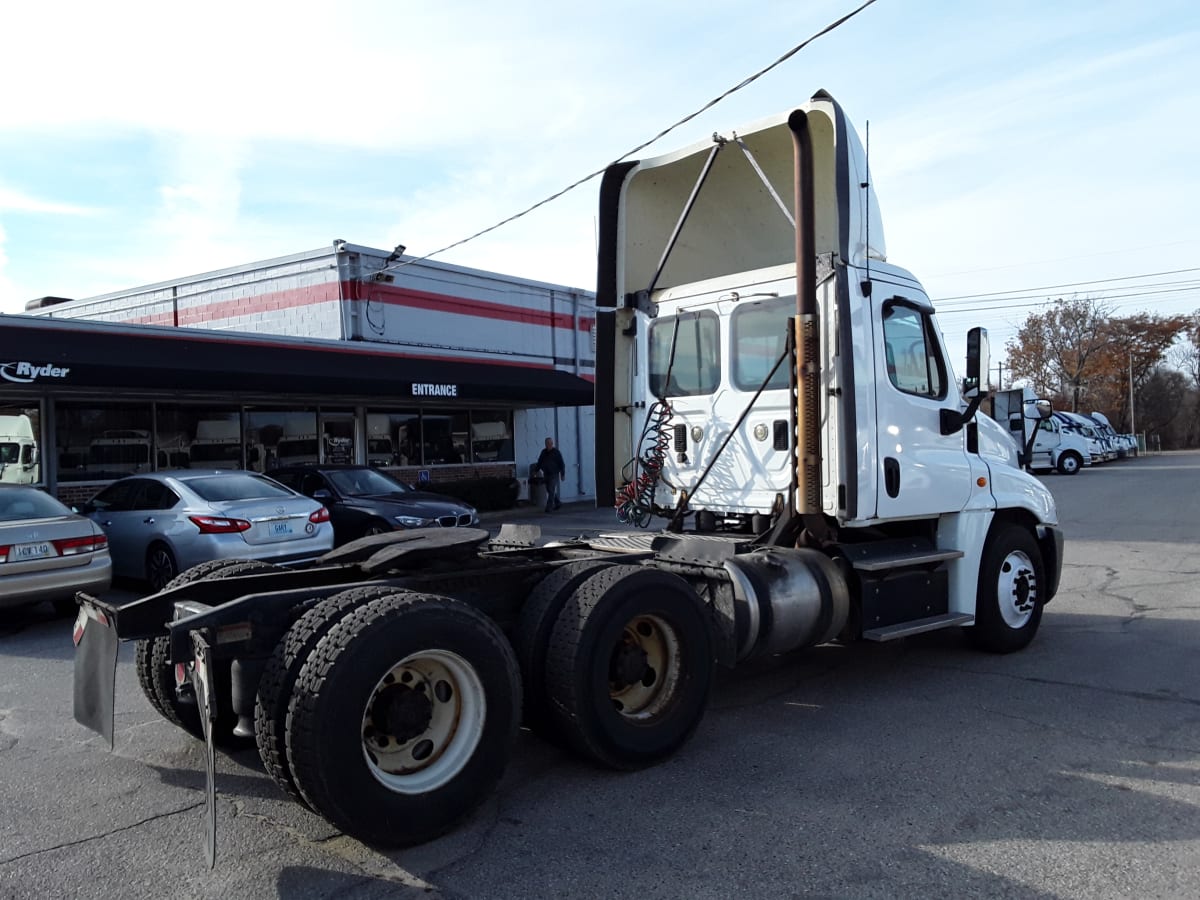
(922, 471)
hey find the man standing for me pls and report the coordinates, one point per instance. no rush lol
(554, 471)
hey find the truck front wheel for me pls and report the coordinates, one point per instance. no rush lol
(1009, 604)
(630, 666)
(1070, 463)
(404, 718)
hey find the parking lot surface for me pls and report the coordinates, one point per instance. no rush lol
(917, 768)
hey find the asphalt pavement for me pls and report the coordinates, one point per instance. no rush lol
(918, 768)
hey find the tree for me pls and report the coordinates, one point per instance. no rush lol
(1078, 351)
(1053, 348)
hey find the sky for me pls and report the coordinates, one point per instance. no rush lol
(1021, 151)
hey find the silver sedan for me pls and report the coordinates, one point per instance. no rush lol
(46, 552)
(161, 523)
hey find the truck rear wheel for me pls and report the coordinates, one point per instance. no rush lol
(156, 674)
(630, 666)
(1008, 607)
(404, 718)
(279, 677)
(531, 639)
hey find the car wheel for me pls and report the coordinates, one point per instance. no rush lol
(161, 567)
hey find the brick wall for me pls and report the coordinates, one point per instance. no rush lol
(78, 494)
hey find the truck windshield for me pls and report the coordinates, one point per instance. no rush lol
(696, 368)
(9, 452)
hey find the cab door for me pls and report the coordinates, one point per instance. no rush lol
(922, 471)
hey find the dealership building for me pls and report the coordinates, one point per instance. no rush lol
(345, 354)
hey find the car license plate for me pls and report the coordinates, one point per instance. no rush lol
(37, 550)
(279, 529)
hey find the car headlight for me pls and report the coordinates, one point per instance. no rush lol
(414, 521)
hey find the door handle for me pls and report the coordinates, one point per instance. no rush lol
(148, 521)
(108, 524)
(891, 477)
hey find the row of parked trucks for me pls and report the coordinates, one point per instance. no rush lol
(1064, 442)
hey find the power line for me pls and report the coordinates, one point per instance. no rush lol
(745, 82)
(1008, 306)
(1054, 287)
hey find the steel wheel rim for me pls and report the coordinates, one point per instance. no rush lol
(1017, 589)
(416, 759)
(1070, 465)
(656, 641)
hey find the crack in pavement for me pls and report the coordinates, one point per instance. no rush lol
(1084, 736)
(96, 837)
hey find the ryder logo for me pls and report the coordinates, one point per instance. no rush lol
(27, 372)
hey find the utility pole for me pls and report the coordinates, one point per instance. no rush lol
(1132, 427)
(1000, 375)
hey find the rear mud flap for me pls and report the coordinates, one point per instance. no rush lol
(96, 646)
(202, 680)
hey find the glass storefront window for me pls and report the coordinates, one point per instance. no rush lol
(199, 437)
(20, 448)
(100, 443)
(446, 437)
(491, 436)
(394, 438)
(287, 437)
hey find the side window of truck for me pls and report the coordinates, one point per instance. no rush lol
(914, 359)
(759, 338)
(689, 346)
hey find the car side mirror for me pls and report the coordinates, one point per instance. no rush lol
(322, 495)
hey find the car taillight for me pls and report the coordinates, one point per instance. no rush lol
(74, 546)
(321, 515)
(219, 524)
(4, 553)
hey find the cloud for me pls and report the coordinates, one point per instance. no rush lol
(12, 200)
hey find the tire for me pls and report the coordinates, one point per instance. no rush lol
(622, 623)
(531, 639)
(279, 677)
(156, 674)
(1008, 607)
(1070, 463)
(161, 568)
(454, 730)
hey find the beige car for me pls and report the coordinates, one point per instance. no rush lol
(47, 553)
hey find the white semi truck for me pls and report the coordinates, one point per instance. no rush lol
(19, 462)
(768, 385)
(1045, 442)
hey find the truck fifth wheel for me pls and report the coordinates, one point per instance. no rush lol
(771, 390)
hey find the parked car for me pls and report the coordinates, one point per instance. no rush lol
(161, 523)
(362, 500)
(47, 552)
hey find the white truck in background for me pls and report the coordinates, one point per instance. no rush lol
(218, 444)
(769, 385)
(1045, 443)
(19, 463)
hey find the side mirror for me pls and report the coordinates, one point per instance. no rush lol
(1042, 409)
(322, 495)
(979, 363)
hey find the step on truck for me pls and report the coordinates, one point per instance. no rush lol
(771, 392)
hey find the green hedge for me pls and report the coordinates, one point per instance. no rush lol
(482, 493)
